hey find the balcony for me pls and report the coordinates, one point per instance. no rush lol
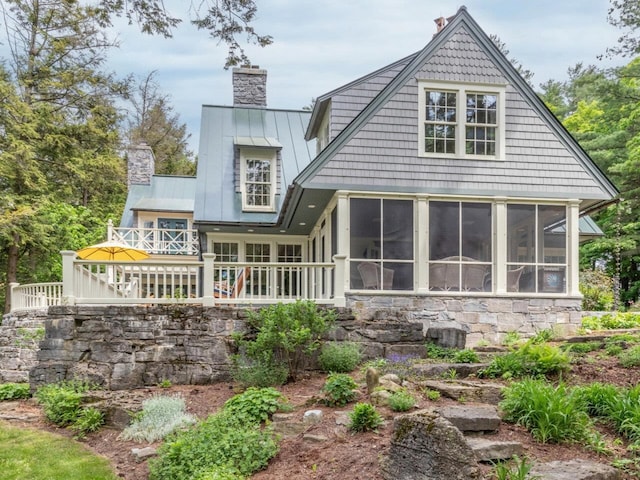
(206, 282)
(157, 241)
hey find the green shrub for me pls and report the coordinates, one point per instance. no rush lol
(433, 395)
(401, 401)
(624, 412)
(610, 321)
(259, 372)
(582, 347)
(222, 440)
(511, 338)
(597, 399)
(254, 405)
(465, 356)
(529, 359)
(88, 420)
(631, 357)
(339, 389)
(14, 391)
(287, 332)
(340, 357)
(364, 418)
(61, 402)
(519, 471)
(160, 416)
(548, 412)
(543, 336)
(597, 290)
(435, 351)
(221, 472)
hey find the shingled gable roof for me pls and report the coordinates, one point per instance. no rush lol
(462, 20)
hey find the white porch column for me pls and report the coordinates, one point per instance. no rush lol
(344, 239)
(110, 230)
(421, 249)
(342, 280)
(207, 279)
(573, 252)
(68, 289)
(500, 247)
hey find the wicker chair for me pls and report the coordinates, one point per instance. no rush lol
(370, 274)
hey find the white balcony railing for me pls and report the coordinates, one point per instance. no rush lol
(35, 295)
(157, 240)
(168, 282)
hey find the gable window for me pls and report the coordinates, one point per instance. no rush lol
(461, 121)
(258, 176)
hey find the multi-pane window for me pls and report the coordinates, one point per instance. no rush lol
(257, 183)
(460, 246)
(440, 122)
(482, 122)
(461, 121)
(382, 246)
(536, 248)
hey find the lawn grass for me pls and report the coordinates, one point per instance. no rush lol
(36, 455)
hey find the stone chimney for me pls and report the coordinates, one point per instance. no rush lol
(249, 86)
(440, 24)
(141, 164)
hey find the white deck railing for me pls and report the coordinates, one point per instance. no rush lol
(157, 240)
(35, 295)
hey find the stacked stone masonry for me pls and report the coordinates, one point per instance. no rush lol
(483, 319)
(124, 347)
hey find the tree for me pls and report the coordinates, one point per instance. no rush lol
(525, 73)
(225, 20)
(625, 14)
(154, 122)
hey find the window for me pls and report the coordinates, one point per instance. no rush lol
(323, 138)
(536, 248)
(461, 121)
(258, 180)
(460, 246)
(382, 249)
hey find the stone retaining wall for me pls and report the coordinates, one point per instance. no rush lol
(484, 319)
(132, 346)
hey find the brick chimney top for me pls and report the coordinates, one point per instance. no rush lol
(250, 86)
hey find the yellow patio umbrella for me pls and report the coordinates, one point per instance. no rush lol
(112, 251)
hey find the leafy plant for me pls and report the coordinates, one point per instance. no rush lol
(450, 374)
(597, 290)
(220, 472)
(160, 415)
(165, 383)
(61, 402)
(340, 357)
(436, 351)
(364, 417)
(88, 420)
(222, 440)
(610, 321)
(465, 356)
(624, 412)
(254, 405)
(14, 391)
(529, 359)
(548, 412)
(508, 471)
(582, 347)
(543, 336)
(511, 338)
(433, 395)
(339, 389)
(401, 401)
(288, 332)
(630, 357)
(597, 399)
(261, 371)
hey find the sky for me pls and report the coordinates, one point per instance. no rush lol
(320, 45)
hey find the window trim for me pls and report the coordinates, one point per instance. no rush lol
(269, 155)
(461, 91)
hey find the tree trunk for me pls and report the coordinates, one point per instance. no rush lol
(12, 271)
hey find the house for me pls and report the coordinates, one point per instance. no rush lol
(439, 186)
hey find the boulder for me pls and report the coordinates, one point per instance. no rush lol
(488, 450)
(426, 446)
(574, 470)
(472, 418)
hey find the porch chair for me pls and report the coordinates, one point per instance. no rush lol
(513, 279)
(370, 274)
(222, 289)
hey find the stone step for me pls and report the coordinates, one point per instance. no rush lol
(433, 370)
(487, 450)
(467, 390)
(574, 470)
(471, 418)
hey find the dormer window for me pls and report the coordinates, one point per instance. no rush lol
(258, 179)
(461, 121)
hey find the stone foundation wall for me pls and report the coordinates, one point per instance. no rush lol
(484, 319)
(20, 334)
